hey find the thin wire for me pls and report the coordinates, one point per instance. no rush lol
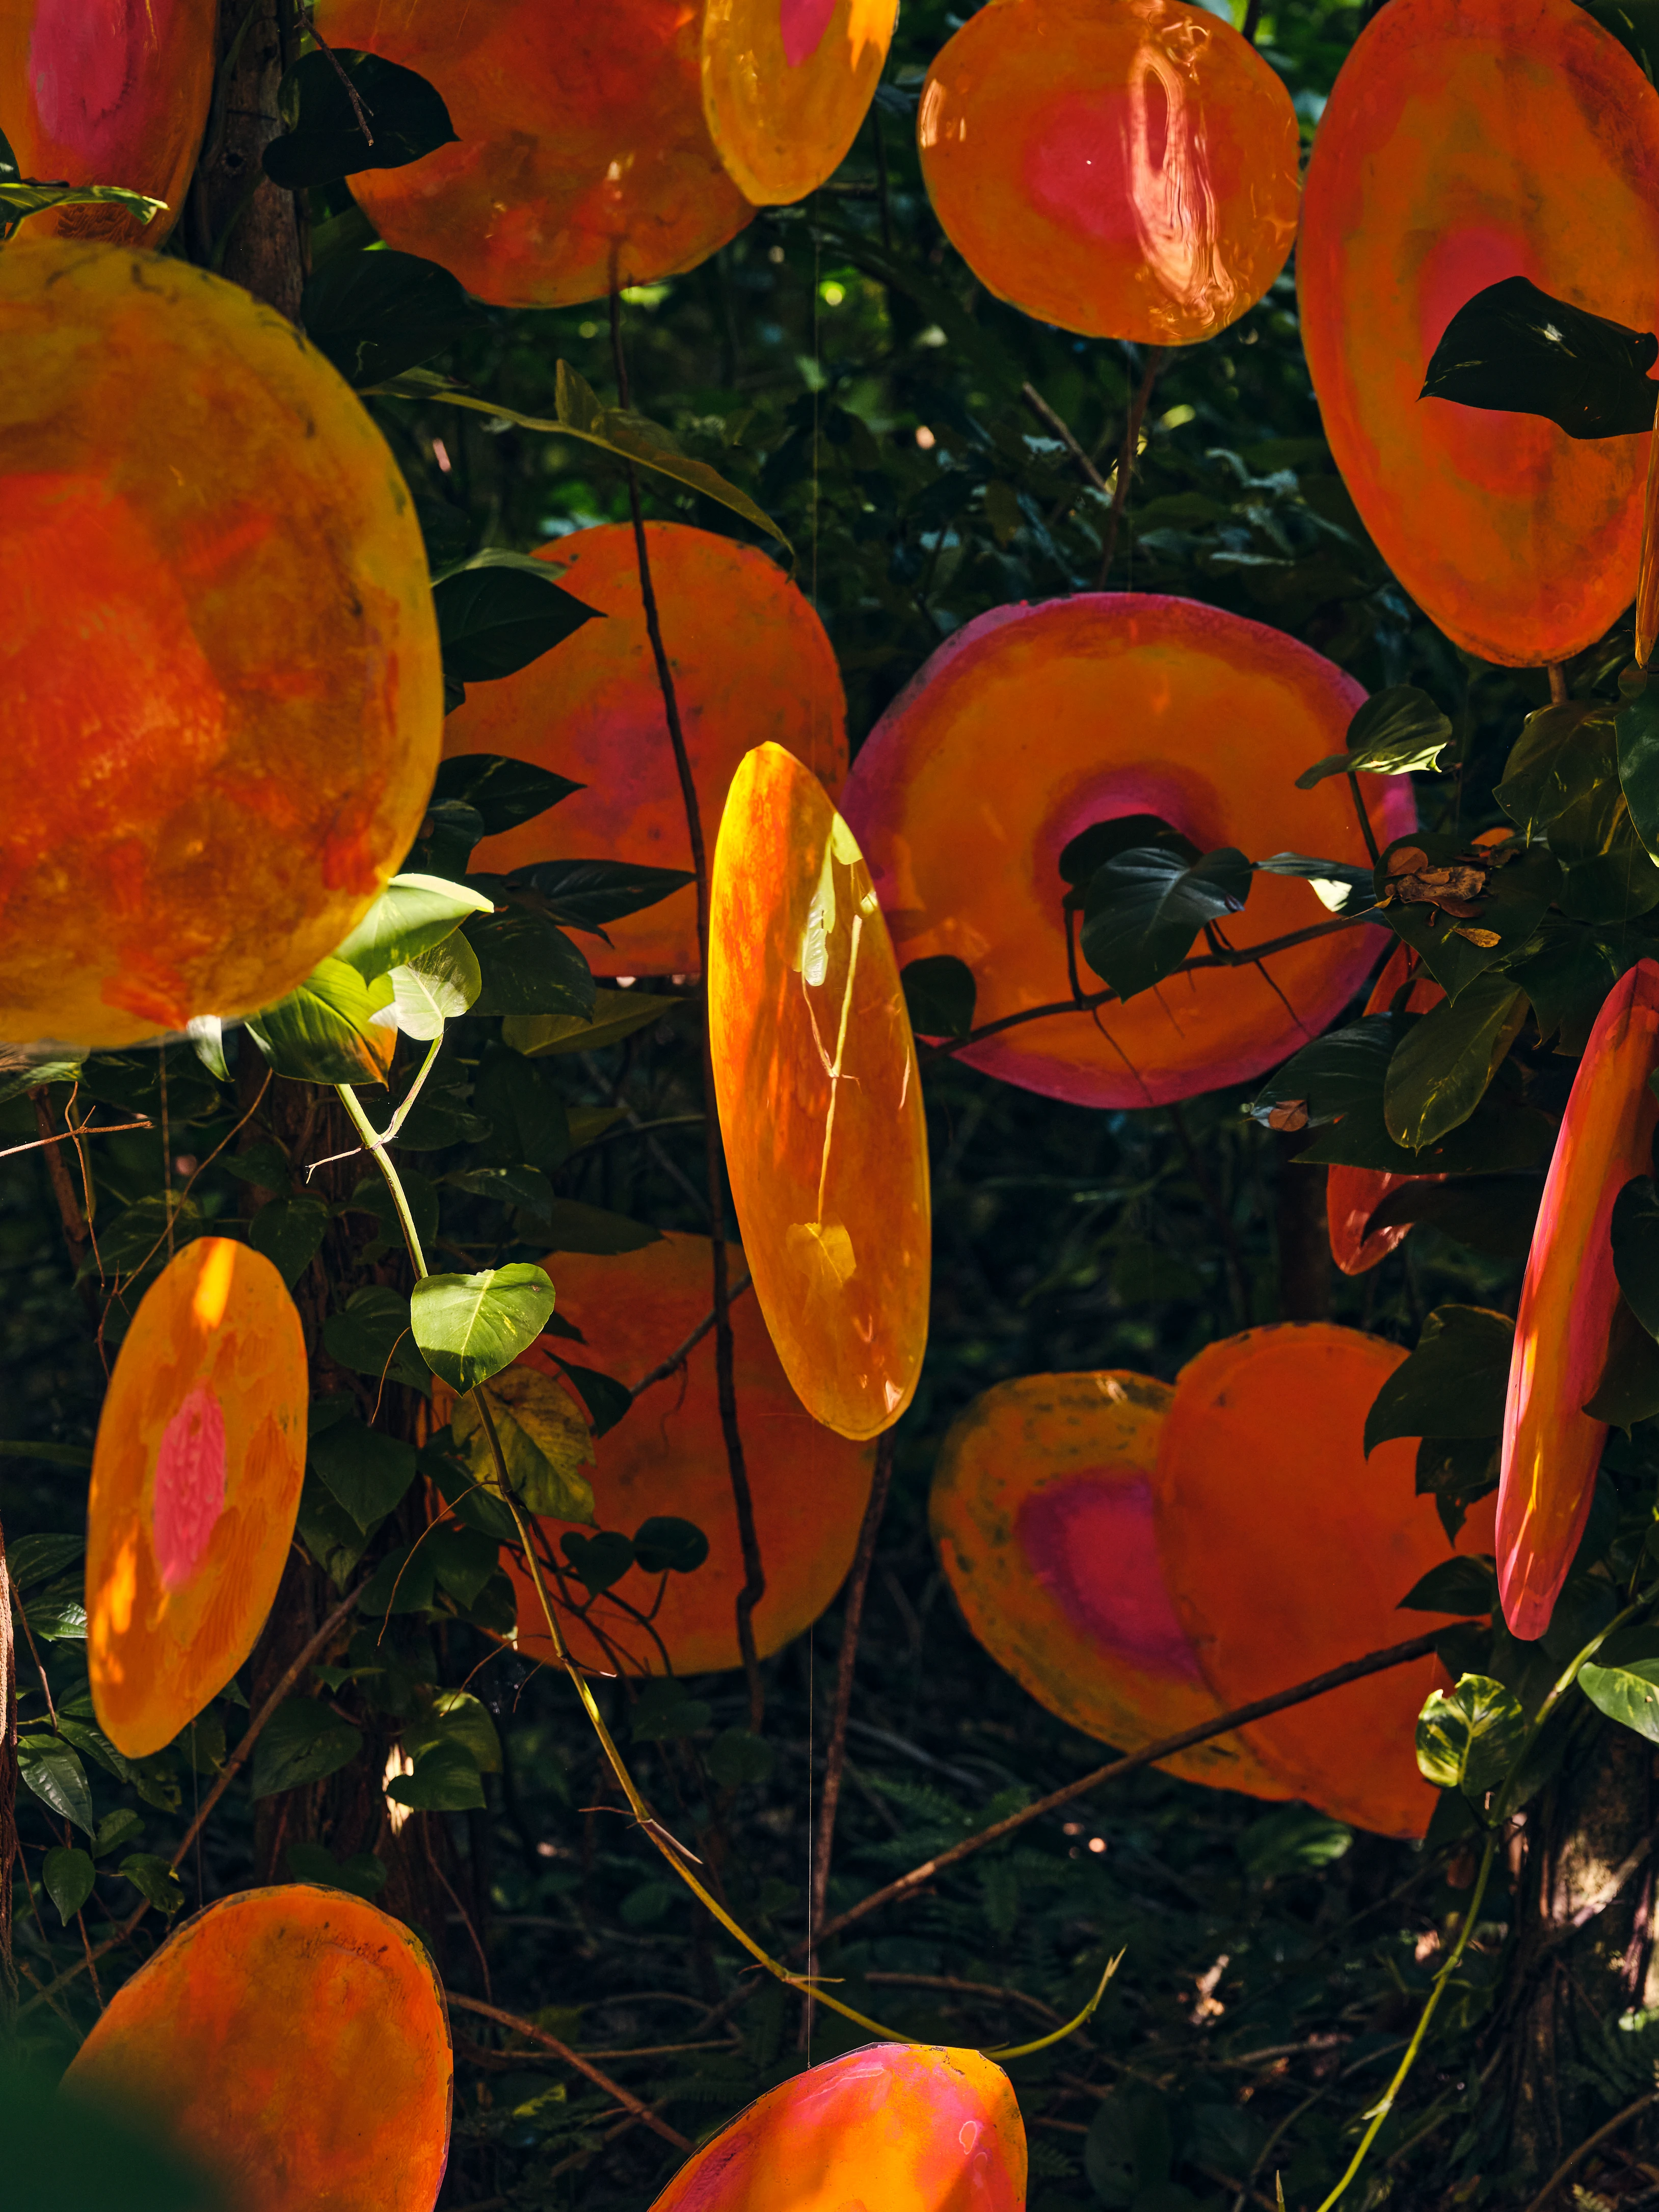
(811, 1827)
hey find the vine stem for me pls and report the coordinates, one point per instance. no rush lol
(377, 1145)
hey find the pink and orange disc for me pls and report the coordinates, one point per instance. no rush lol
(820, 1098)
(1353, 1195)
(785, 84)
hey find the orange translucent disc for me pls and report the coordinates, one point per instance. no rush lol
(785, 84)
(295, 2041)
(897, 2127)
(668, 1456)
(1041, 1509)
(219, 661)
(751, 666)
(107, 92)
(1353, 1195)
(195, 1486)
(1467, 141)
(1128, 172)
(820, 1098)
(1035, 722)
(1288, 1552)
(583, 162)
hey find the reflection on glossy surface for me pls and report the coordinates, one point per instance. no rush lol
(294, 2040)
(1034, 722)
(1288, 1552)
(1467, 141)
(1128, 172)
(820, 1098)
(751, 666)
(1353, 1195)
(195, 1486)
(785, 84)
(1041, 1509)
(1552, 1447)
(584, 161)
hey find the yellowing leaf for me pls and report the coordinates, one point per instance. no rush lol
(544, 1441)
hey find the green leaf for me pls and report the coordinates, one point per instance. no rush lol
(543, 1438)
(364, 1470)
(444, 1780)
(1502, 1136)
(411, 915)
(1627, 1694)
(523, 1186)
(206, 1033)
(1143, 910)
(1440, 1072)
(56, 1776)
(1566, 978)
(1561, 754)
(1082, 856)
(406, 119)
(436, 989)
(457, 1716)
(587, 894)
(1337, 1071)
(325, 1031)
(529, 968)
(1291, 1840)
(18, 1080)
(502, 790)
(1465, 1584)
(500, 611)
(58, 1615)
(665, 1545)
(739, 1760)
(476, 1507)
(1395, 732)
(605, 1399)
(1635, 1228)
(939, 995)
(597, 1561)
(302, 1741)
(1493, 1214)
(374, 314)
(666, 1711)
(1627, 1390)
(38, 1558)
(573, 1227)
(18, 199)
(525, 1108)
(1636, 735)
(121, 1826)
(616, 1015)
(470, 1327)
(1468, 1740)
(1453, 1385)
(69, 1876)
(289, 1233)
(67, 2154)
(155, 1880)
(1515, 350)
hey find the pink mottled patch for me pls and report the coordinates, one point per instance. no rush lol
(803, 24)
(189, 1487)
(1089, 1541)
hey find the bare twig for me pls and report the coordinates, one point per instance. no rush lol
(677, 1358)
(1126, 459)
(1590, 2143)
(1046, 415)
(625, 2098)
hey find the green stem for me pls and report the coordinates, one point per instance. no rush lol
(360, 1121)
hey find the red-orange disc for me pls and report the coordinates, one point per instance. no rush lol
(1128, 171)
(785, 84)
(820, 1098)
(1467, 141)
(195, 1486)
(751, 666)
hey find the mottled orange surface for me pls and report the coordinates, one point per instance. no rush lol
(785, 84)
(820, 1098)
(751, 665)
(1041, 1509)
(1551, 1448)
(1288, 1552)
(1467, 141)
(584, 161)
(195, 1485)
(1353, 1195)
(1034, 722)
(1129, 171)
(295, 2041)
(668, 1456)
(894, 2127)
(220, 661)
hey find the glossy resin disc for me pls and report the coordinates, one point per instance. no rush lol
(1353, 1195)
(1033, 723)
(667, 1457)
(751, 666)
(895, 2127)
(1128, 172)
(1041, 1509)
(785, 84)
(583, 163)
(107, 92)
(820, 1098)
(1467, 141)
(195, 1486)
(1288, 1552)
(220, 662)
(295, 2041)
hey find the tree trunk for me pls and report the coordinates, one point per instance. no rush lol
(1304, 1244)
(241, 224)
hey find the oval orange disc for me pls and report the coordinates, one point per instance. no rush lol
(1353, 1195)
(221, 659)
(1034, 722)
(114, 93)
(1128, 172)
(295, 2041)
(1041, 1509)
(1467, 141)
(751, 666)
(195, 1486)
(820, 1098)
(583, 165)
(1287, 1553)
(785, 84)
(668, 1456)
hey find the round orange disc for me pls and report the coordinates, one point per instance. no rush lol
(295, 2041)
(1467, 141)
(221, 659)
(1288, 1552)
(1353, 1195)
(820, 1098)
(583, 163)
(1128, 172)
(1034, 722)
(785, 84)
(1041, 1509)
(751, 666)
(195, 1486)
(668, 1456)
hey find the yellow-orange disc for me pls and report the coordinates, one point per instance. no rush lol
(1128, 171)
(220, 659)
(820, 1098)
(195, 1486)
(751, 666)
(785, 84)
(295, 2041)
(1041, 1509)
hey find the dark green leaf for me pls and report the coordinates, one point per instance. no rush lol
(67, 2153)
(737, 1760)
(138, 1236)
(666, 1710)
(405, 1581)
(597, 1561)
(1293, 1839)
(1143, 910)
(457, 1716)
(1469, 1740)
(1493, 1214)
(1636, 734)
(502, 792)
(1092, 848)
(521, 1185)
(371, 1335)
(365, 1471)
(1566, 978)
(155, 1880)
(328, 1532)
(501, 611)
(616, 1015)
(1514, 348)
(406, 119)
(444, 1780)
(1635, 1249)
(264, 1165)
(464, 1559)
(1463, 1584)
(56, 1776)
(1338, 1071)
(1440, 1072)
(121, 1826)
(587, 894)
(1628, 1389)
(1501, 1137)
(1561, 754)
(939, 995)
(1627, 1694)
(605, 1399)
(17, 1080)
(325, 1031)
(528, 967)
(1453, 1385)
(69, 1876)
(375, 314)
(575, 1227)
(525, 1109)
(1395, 732)
(1516, 897)
(470, 1327)
(289, 1232)
(38, 1558)
(302, 1741)
(466, 1497)
(663, 1544)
